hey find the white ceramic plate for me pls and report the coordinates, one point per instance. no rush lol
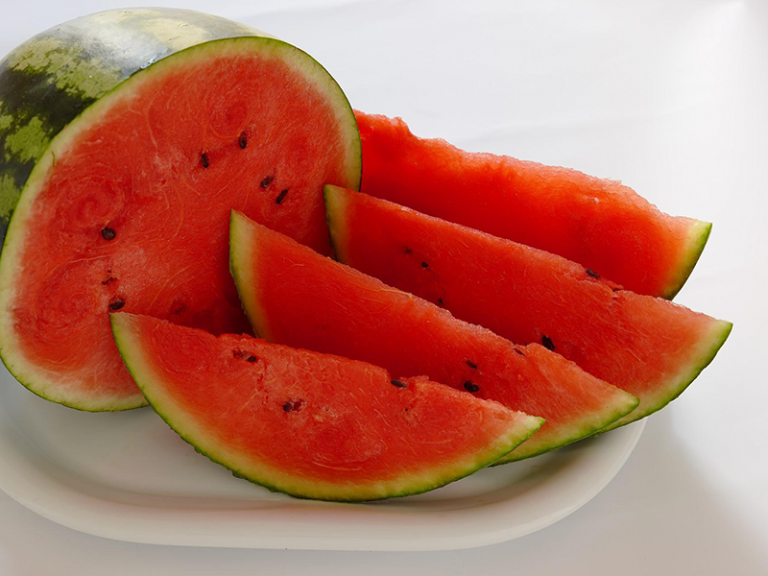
(127, 476)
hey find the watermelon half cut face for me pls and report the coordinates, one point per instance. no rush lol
(309, 424)
(128, 207)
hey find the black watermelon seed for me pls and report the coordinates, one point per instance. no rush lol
(243, 355)
(266, 182)
(440, 301)
(204, 160)
(292, 405)
(618, 289)
(592, 273)
(424, 265)
(398, 383)
(471, 364)
(547, 342)
(407, 250)
(520, 352)
(471, 387)
(281, 196)
(109, 280)
(243, 140)
(108, 233)
(116, 304)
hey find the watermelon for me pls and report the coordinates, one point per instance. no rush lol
(647, 346)
(309, 424)
(601, 224)
(298, 297)
(128, 136)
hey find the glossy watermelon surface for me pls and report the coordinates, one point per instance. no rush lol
(127, 207)
(598, 223)
(650, 347)
(298, 297)
(308, 424)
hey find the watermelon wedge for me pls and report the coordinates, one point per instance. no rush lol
(309, 424)
(132, 134)
(598, 223)
(297, 297)
(647, 346)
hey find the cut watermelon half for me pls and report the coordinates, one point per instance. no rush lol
(647, 346)
(309, 424)
(298, 297)
(598, 223)
(127, 207)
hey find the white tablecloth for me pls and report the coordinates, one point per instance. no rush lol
(671, 98)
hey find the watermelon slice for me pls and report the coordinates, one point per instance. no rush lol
(133, 133)
(309, 424)
(601, 224)
(297, 297)
(647, 346)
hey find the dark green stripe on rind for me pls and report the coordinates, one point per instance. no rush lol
(166, 414)
(689, 263)
(705, 360)
(52, 78)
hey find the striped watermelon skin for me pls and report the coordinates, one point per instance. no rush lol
(52, 78)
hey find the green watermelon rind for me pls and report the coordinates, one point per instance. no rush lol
(242, 277)
(24, 371)
(577, 433)
(130, 351)
(720, 332)
(698, 237)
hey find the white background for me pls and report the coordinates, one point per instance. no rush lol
(671, 98)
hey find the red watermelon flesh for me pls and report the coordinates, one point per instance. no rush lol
(297, 297)
(647, 346)
(129, 209)
(598, 223)
(312, 425)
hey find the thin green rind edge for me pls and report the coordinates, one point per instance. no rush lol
(10, 235)
(124, 354)
(584, 432)
(694, 252)
(259, 330)
(707, 358)
(331, 208)
(74, 405)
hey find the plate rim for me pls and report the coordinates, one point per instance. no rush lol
(128, 522)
